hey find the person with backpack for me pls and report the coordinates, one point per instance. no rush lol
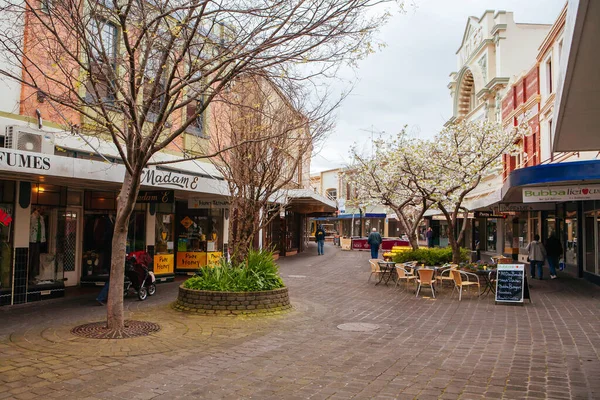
(375, 241)
(320, 239)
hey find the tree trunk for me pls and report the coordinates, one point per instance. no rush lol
(115, 317)
(244, 228)
(414, 240)
(453, 243)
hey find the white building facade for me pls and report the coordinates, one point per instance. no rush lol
(494, 50)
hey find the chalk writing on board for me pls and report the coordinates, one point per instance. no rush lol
(509, 283)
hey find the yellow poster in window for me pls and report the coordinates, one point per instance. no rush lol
(191, 260)
(163, 264)
(214, 257)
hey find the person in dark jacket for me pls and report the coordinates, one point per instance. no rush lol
(320, 238)
(553, 252)
(375, 241)
(429, 236)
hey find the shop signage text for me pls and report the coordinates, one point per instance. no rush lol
(167, 178)
(212, 202)
(191, 260)
(524, 207)
(27, 161)
(156, 197)
(163, 264)
(488, 214)
(561, 193)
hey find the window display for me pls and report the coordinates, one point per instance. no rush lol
(164, 263)
(45, 234)
(198, 234)
(98, 230)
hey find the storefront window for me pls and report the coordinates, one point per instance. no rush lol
(571, 234)
(164, 229)
(523, 230)
(45, 237)
(443, 234)
(6, 224)
(491, 234)
(589, 234)
(98, 230)
(509, 234)
(199, 236)
(164, 262)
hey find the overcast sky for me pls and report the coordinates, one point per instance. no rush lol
(406, 82)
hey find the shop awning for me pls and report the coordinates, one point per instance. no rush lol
(484, 200)
(567, 173)
(306, 201)
(366, 215)
(577, 110)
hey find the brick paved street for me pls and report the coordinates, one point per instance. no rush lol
(423, 349)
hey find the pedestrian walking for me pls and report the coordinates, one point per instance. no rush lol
(375, 241)
(554, 250)
(429, 236)
(536, 256)
(320, 238)
(103, 295)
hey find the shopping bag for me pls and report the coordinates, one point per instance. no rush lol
(561, 264)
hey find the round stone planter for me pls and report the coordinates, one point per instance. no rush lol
(232, 303)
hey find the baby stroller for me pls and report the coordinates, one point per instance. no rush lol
(137, 276)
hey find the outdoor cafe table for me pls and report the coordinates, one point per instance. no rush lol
(488, 286)
(387, 268)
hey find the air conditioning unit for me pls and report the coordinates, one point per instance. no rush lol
(26, 139)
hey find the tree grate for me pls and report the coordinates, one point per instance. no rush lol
(99, 330)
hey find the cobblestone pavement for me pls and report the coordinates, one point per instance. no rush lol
(424, 348)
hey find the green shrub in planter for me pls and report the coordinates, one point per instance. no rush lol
(427, 256)
(257, 273)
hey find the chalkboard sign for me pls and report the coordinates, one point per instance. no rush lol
(510, 283)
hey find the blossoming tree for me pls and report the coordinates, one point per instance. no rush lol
(381, 180)
(451, 165)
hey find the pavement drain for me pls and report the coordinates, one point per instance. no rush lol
(99, 330)
(358, 327)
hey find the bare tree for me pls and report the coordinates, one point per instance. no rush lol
(259, 172)
(141, 72)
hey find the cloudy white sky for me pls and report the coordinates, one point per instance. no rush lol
(406, 82)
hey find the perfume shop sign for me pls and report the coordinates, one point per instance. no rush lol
(561, 193)
(208, 202)
(24, 160)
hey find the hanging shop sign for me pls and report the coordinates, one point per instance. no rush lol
(156, 196)
(488, 214)
(208, 202)
(561, 193)
(512, 208)
(163, 264)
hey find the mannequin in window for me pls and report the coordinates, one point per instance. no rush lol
(37, 238)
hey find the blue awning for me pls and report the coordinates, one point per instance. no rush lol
(563, 173)
(366, 215)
